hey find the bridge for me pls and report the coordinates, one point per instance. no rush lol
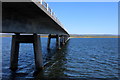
(32, 19)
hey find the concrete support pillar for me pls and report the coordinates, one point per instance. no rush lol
(49, 40)
(38, 52)
(16, 40)
(58, 42)
(60, 39)
(64, 39)
(14, 53)
(63, 42)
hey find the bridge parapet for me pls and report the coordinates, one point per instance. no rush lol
(50, 11)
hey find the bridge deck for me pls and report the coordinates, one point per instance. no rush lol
(29, 17)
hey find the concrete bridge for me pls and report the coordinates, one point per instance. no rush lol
(33, 17)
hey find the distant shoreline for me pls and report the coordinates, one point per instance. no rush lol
(95, 36)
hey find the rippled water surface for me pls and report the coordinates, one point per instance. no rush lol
(79, 58)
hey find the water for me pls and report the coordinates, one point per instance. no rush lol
(79, 58)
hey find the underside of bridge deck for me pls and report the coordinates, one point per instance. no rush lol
(27, 17)
(30, 18)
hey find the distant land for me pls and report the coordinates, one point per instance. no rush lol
(94, 36)
(76, 35)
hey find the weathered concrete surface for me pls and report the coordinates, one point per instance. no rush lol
(28, 17)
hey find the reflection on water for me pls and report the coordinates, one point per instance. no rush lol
(79, 58)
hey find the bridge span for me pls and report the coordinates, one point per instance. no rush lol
(32, 17)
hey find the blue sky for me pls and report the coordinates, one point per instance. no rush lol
(87, 17)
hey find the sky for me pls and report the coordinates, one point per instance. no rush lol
(82, 0)
(87, 17)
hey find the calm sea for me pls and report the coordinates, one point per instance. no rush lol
(79, 58)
